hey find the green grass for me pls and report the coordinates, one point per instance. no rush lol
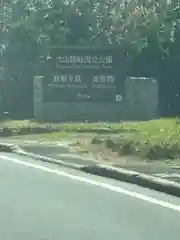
(55, 136)
(156, 139)
(66, 127)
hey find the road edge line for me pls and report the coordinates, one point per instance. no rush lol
(144, 180)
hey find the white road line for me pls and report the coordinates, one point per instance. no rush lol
(166, 175)
(96, 183)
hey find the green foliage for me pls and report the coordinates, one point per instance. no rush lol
(155, 140)
(148, 31)
(131, 24)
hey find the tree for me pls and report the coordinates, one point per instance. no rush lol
(147, 30)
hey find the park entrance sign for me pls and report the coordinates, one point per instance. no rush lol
(78, 83)
(83, 75)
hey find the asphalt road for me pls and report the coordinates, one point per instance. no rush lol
(43, 202)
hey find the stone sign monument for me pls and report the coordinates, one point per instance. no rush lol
(81, 84)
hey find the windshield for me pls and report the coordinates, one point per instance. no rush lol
(89, 119)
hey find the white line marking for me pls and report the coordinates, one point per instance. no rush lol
(166, 175)
(96, 183)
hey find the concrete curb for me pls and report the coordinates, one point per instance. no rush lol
(50, 160)
(9, 148)
(144, 180)
(120, 174)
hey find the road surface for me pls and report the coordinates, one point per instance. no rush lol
(43, 202)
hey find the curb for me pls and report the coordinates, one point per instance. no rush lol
(10, 148)
(144, 180)
(50, 160)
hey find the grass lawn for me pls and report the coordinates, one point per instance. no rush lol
(67, 127)
(156, 139)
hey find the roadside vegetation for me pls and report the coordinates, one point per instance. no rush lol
(145, 33)
(155, 139)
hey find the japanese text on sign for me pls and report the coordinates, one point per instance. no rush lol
(68, 81)
(103, 81)
(85, 59)
(94, 62)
